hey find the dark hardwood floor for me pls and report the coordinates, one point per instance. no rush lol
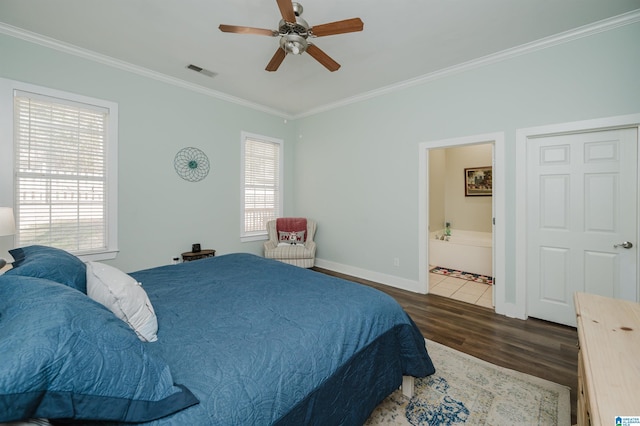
(531, 346)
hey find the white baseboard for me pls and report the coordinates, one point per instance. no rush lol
(390, 280)
(510, 310)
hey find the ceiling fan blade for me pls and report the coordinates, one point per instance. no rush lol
(286, 10)
(247, 30)
(338, 27)
(322, 57)
(277, 59)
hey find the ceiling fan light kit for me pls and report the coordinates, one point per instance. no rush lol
(294, 32)
(293, 43)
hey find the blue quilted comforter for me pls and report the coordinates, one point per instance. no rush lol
(260, 342)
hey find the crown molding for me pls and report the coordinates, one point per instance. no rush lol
(544, 43)
(126, 66)
(564, 37)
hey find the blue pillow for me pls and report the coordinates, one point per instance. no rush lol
(51, 263)
(64, 356)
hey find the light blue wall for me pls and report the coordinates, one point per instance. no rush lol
(160, 214)
(354, 169)
(360, 179)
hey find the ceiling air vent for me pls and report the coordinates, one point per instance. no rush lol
(201, 70)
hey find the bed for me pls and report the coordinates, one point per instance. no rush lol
(240, 340)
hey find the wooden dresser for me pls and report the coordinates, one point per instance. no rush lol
(608, 360)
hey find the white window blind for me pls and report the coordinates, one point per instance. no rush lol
(60, 173)
(262, 179)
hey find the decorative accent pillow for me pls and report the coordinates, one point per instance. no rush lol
(124, 296)
(50, 263)
(295, 238)
(292, 224)
(65, 356)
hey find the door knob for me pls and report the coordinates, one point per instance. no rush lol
(625, 244)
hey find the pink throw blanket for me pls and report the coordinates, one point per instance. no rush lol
(292, 224)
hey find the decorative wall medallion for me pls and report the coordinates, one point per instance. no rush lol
(191, 164)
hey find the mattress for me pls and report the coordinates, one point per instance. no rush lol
(261, 342)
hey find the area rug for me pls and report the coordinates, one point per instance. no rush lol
(469, 276)
(470, 391)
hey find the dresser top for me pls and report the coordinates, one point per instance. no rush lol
(609, 334)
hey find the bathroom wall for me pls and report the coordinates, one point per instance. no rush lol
(447, 200)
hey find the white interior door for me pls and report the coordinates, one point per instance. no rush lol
(581, 209)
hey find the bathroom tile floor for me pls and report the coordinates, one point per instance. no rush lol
(463, 290)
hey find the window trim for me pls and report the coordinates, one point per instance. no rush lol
(259, 235)
(7, 147)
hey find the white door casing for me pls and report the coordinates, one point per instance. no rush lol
(597, 259)
(582, 200)
(499, 228)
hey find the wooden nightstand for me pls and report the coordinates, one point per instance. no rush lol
(189, 256)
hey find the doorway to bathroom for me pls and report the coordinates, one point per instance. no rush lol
(462, 185)
(460, 223)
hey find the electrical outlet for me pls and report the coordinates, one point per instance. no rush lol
(396, 262)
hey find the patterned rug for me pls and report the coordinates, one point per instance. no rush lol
(461, 274)
(467, 390)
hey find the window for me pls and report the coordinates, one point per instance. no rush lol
(261, 184)
(64, 171)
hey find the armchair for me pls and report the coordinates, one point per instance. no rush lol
(282, 232)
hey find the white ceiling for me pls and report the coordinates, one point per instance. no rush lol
(402, 40)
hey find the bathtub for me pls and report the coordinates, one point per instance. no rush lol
(467, 251)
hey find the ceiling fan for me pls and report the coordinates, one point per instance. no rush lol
(294, 33)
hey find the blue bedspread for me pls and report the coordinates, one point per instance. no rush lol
(260, 342)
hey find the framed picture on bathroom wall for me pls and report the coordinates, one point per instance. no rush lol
(478, 181)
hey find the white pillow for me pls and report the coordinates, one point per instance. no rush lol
(124, 296)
